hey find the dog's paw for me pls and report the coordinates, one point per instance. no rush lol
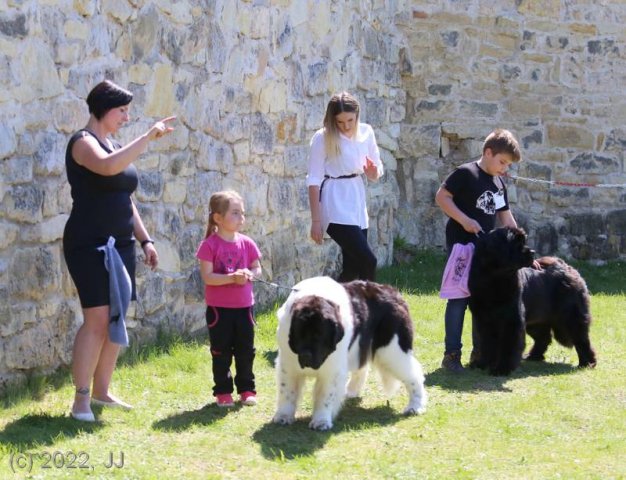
(283, 419)
(534, 357)
(321, 424)
(590, 364)
(414, 410)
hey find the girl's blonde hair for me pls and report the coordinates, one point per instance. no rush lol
(339, 103)
(220, 203)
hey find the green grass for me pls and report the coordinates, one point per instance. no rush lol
(546, 421)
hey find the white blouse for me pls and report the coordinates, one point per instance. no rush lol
(343, 199)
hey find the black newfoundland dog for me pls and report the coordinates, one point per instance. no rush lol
(509, 299)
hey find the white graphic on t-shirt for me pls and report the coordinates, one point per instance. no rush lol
(487, 203)
(227, 262)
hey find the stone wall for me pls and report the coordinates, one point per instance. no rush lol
(551, 71)
(249, 81)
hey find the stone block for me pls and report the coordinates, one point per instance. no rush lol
(534, 138)
(287, 130)
(85, 8)
(384, 140)
(539, 8)
(546, 240)
(418, 140)
(175, 191)
(35, 272)
(36, 71)
(188, 242)
(76, 30)
(479, 109)
(32, 348)
(151, 295)
(397, 113)
(49, 156)
(317, 79)
(8, 142)
(568, 136)
(215, 156)
(616, 140)
(24, 203)
(587, 224)
(144, 33)
(169, 260)
(375, 112)
(241, 152)
(150, 187)
(283, 253)
(14, 25)
(47, 231)
(616, 223)
(591, 163)
(16, 170)
(296, 162)
(262, 132)
(439, 89)
(161, 101)
(281, 193)
(8, 234)
(198, 188)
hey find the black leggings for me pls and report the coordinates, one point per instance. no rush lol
(231, 334)
(359, 262)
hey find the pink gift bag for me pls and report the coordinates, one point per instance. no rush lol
(456, 273)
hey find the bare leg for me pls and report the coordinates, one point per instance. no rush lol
(104, 370)
(86, 353)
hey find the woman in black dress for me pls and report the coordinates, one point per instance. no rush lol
(102, 179)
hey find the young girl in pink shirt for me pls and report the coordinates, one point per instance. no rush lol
(229, 261)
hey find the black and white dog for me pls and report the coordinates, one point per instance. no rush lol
(326, 330)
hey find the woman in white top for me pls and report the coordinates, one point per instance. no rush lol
(340, 153)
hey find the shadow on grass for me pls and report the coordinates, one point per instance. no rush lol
(35, 430)
(180, 422)
(280, 442)
(479, 380)
(270, 357)
(36, 385)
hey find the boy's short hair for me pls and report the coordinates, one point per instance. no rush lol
(503, 141)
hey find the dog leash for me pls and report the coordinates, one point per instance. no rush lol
(276, 285)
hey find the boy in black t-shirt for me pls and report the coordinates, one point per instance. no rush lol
(474, 198)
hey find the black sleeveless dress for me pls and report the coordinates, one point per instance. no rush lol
(101, 208)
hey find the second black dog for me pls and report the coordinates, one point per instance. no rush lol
(509, 299)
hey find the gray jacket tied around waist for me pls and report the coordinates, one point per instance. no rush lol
(120, 290)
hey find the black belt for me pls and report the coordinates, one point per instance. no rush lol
(326, 177)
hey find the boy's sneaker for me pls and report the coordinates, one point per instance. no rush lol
(452, 362)
(248, 398)
(224, 400)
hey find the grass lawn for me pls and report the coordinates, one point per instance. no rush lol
(546, 421)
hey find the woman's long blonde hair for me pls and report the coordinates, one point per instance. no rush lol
(220, 203)
(339, 103)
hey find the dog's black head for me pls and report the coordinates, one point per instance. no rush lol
(504, 248)
(315, 330)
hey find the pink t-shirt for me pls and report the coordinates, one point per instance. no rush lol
(228, 257)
